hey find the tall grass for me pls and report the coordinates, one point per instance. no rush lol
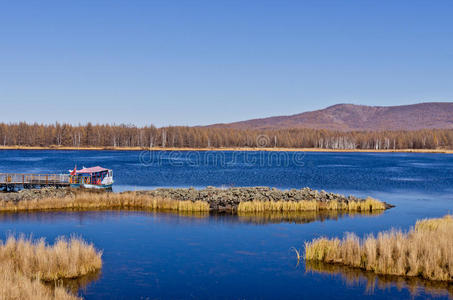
(444, 223)
(93, 200)
(15, 285)
(366, 205)
(66, 258)
(26, 263)
(425, 251)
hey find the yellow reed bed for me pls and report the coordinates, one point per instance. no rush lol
(25, 263)
(425, 251)
(66, 258)
(260, 206)
(434, 224)
(92, 200)
(367, 205)
(15, 285)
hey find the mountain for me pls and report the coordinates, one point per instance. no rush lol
(349, 117)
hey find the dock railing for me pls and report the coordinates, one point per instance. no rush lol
(33, 179)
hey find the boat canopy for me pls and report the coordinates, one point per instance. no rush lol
(92, 170)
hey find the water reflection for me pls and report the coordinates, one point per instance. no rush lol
(83, 216)
(87, 215)
(354, 276)
(76, 284)
(300, 217)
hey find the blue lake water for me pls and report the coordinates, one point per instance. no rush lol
(157, 255)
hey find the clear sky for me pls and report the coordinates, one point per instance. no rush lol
(201, 62)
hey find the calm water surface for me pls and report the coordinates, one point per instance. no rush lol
(156, 255)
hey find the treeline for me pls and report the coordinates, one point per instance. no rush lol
(113, 136)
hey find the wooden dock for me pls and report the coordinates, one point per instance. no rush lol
(11, 181)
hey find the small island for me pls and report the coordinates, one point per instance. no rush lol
(424, 251)
(211, 199)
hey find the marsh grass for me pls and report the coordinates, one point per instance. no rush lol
(25, 264)
(84, 200)
(366, 205)
(66, 258)
(445, 223)
(15, 285)
(297, 251)
(424, 251)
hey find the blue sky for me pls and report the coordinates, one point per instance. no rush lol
(202, 62)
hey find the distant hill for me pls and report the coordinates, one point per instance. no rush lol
(348, 117)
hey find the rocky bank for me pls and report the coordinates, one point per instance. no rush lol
(219, 199)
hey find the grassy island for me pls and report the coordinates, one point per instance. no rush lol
(231, 200)
(425, 251)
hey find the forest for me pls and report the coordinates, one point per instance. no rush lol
(117, 136)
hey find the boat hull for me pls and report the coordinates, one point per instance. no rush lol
(92, 186)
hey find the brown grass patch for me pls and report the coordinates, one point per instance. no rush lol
(66, 258)
(92, 200)
(425, 251)
(15, 285)
(26, 263)
(367, 205)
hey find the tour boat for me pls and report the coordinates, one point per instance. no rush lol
(91, 178)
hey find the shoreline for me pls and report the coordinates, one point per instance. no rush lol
(279, 149)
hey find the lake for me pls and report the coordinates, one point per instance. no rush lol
(161, 255)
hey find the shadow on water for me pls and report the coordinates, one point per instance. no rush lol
(300, 217)
(250, 218)
(76, 284)
(354, 277)
(58, 215)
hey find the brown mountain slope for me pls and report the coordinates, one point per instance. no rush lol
(349, 117)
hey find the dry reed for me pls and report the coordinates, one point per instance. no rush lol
(366, 205)
(15, 285)
(25, 263)
(66, 258)
(90, 200)
(425, 251)
(434, 224)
